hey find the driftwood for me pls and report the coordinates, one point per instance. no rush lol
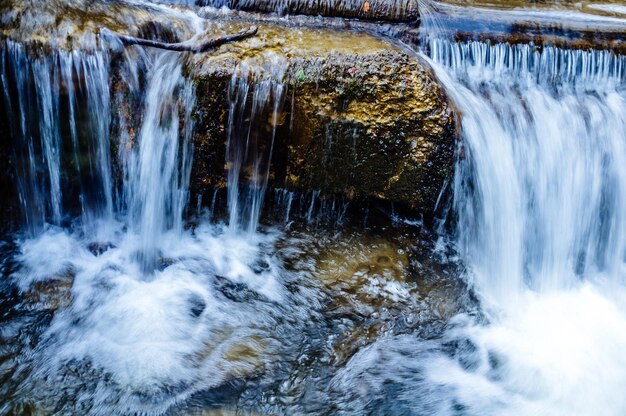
(187, 46)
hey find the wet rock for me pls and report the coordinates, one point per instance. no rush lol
(234, 355)
(391, 10)
(236, 292)
(164, 262)
(361, 117)
(375, 290)
(563, 24)
(70, 24)
(260, 266)
(245, 357)
(377, 126)
(98, 248)
(197, 305)
(51, 294)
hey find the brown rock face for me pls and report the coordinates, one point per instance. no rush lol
(391, 10)
(376, 125)
(360, 116)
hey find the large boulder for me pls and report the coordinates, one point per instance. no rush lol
(361, 117)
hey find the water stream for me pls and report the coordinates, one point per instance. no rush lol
(35, 93)
(539, 193)
(116, 303)
(255, 95)
(153, 308)
(157, 169)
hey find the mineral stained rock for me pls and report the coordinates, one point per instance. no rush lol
(361, 116)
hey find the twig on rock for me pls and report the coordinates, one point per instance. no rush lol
(187, 46)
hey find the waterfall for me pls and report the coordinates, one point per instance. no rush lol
(62, 125)
(158, 167)
(158, 311)
(539, 195)
(539, 198)
(46, 96)
(114, 303)
(540, 187)
(256, 99)
(63, 133)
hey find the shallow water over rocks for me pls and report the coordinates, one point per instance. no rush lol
(262, 321)
(119, 295)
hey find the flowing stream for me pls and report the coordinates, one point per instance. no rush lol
(539, 193)
(248, 157)
(143, 309)
(147, 311)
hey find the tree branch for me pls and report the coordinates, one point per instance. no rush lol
(187, 46)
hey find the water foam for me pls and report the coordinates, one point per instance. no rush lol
(540, 189)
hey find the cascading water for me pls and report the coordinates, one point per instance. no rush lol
(540, 190)
(157, 169)
(256, 97)
(148, 309)
(123, 307)
(542, 182)
(36, 91)
(539, 196)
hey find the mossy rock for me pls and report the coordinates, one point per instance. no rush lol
(361, 118)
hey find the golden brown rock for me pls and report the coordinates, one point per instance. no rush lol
(362, 116)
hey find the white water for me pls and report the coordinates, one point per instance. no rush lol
(33, 94)
(157, 170)
(164, 312)
(540, 192)
(542, 185)
(157, 311)
(155, 340)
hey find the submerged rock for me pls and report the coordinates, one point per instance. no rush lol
(50, 294)
(380, 286)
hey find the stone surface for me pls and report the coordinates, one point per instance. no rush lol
(380, 285)
(76, 24)
(391, 10)
(361, 116)
(564, 24)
